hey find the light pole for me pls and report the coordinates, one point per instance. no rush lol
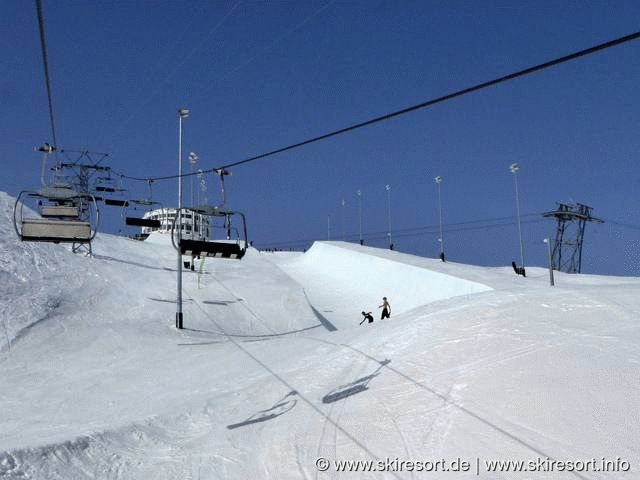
(438, 180)
(343, 232)
(192, 161)
(359, 194)
(182, 113)
(388, 190)
(199, 176)
(550, 259)
(514, 169)
(328, 227)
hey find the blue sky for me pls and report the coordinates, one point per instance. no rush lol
(262, 75)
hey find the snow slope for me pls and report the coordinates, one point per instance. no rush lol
(273, 371)
(360, 276)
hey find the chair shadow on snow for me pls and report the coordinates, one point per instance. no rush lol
(184, 300)
(281, 407)
(353, 388)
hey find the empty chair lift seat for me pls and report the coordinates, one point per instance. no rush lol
(47, 230)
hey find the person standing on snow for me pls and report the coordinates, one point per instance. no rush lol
(386, 309)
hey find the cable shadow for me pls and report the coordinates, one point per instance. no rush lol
(459, 406)
(135, 264)
(257, 336)
(353, 388)
(280, 408)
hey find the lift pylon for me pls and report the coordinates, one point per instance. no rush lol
(571, 221)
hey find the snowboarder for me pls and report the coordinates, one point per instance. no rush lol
(367, 316)
(386, 309)
(518, 270)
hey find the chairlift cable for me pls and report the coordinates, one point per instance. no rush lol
(45, 63)
(428, 103)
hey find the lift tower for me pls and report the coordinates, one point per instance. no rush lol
(567, 248)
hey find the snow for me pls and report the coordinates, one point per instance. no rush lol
(273, 370)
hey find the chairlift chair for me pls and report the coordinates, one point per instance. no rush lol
(109, 189)
(108, 184)
(72, 219)
(132, 215)
(228, 248)
(66, 216)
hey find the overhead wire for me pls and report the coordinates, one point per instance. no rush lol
(177, 68)
(261, 52)
(45, 62)
(621, 224)
(470, 225)
(428, 103)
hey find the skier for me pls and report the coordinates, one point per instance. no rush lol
(386, 309)
(367, 316)
(518, 270)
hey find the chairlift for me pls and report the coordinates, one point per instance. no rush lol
(233, 247)
(108, 184)
(72, 219)
(66, 216)
(134, 206)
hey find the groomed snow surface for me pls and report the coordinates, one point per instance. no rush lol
(273, 372)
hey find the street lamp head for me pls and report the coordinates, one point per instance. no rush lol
(193, 157)
(514, 167)
(46, 148)
(359, 193)
(438, 179)
(183, 112)
(387, 187)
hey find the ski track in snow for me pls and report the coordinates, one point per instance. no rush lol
(274, 371)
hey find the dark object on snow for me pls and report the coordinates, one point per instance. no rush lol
(367, 316)
(518, 270)
(386, 309)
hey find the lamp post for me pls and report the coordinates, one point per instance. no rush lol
(359, 194)
(438, 180)
(199, 176)
(388, 190)
(550, 259)
(192, 161)
(328, 227)
(514, 169)
(344, 236)
(182, 114)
